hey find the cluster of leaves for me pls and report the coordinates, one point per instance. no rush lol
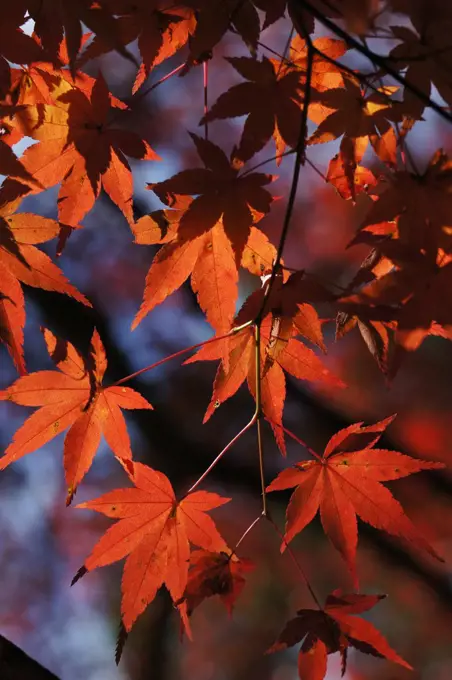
(209, 231)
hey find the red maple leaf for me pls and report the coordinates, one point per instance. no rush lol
(220, 573)
(72, 397)
(346, 481)
(215, 18)
(154, 532)
(348, 113)
(54, 18)
(334, 629)
(271, 100)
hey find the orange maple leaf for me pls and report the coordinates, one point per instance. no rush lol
(80, 149)
(209, 259)
(21, 262)
(72, 397)
(154, 532)
(279, 351)
(160, 32)
(345, 482)
(334, 629)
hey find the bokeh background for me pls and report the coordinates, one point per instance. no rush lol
(73, 631)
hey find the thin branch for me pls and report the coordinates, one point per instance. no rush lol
(205, 76)
(268, 160)
(300, 158)
(315, 168)
(260, 444)
(376, 59)
(234, 331)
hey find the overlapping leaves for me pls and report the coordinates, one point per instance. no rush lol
(22, 262)
(335, 628)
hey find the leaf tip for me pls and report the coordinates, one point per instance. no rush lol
(81, 572)
(120, 642)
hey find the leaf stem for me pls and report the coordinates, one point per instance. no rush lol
(234, 331)
(295, 438)
(163, 79)
(297, 564)
(247, 531)
(221, 454)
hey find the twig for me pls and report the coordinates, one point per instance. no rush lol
(300, 158)
(205, 75)
(260, 445)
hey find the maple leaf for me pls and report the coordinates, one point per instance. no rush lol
(54, 18)
(160, 32)
(334, 629)
(210, 574)
(345, 482)
(43, 83)
(401, 282)
(374, 332)
(346, 112)
(154, 532)
(279, 351)
(325, 75)
(16, 46)
(209, 259)
(72, 397)
(412, 294)
(21, 262)
(349, 180)
(426, 60)
(79, 149)
(271, 100)
(215, 17)
(221, 193)
(420, 204)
